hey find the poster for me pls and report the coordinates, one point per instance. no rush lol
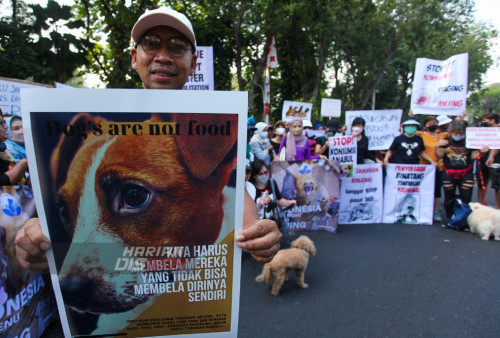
(315, 187)
(361, 196)
(10, 94)
(477, 138)
(27, 303)
(331, 107)
(382, 126)
(409, 193)
(440, 87)
(292, 109)
(203, 79)
(343, 151)
(137, 192)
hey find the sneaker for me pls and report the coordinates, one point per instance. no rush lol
(437, 217)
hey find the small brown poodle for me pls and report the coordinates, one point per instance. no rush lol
(295, 258)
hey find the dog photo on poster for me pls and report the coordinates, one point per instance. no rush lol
(141, 212)
(316, 188)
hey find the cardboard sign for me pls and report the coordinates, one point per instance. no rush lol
(292, 109)
(477, 138)
(409, 193)
(440, 87)
(343, 151)
(331, 107)
(361, 196)
(133, 189)
(203, 79)
(382, 126)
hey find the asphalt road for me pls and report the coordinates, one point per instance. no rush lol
(382, 280)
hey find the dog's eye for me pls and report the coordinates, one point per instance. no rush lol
(134, 196)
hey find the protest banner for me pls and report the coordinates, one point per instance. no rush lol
(440, 87)
(409, 193)
(477, 138)
(382, 126)
(331, 107)
(135, 189)
(293, 109)
(361, 196)
(27, 302)
(313, 134)
(203, 79)
(10, 97)
(315, 187)
(343, 152)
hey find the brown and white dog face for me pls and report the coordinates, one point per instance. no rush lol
(308, 187)
(123, 191)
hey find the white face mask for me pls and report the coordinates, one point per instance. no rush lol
(263, 135)
(357, 130)
(280, 131)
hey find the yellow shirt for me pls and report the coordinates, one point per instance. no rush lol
(430, 146)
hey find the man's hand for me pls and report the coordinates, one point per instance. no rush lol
(32, 245)
(261, 239)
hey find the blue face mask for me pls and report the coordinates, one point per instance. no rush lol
(410, 130)
(262, 179)
(457, 138)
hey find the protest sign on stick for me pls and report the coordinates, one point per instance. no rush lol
(315, 187)
(361, 196)
(382, 126)
(409, 193)
(477, 138)
(440, 87)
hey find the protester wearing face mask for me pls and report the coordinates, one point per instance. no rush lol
(358, 131)
(333, 128)
(431, 136)
(264, 198)
(296, 145)
(260, 144)
(407, 147)
(279, 132)
(482, 170)
(457, 170)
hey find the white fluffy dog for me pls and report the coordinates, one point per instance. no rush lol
(484, 221)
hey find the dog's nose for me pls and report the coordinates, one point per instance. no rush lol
(78, 291)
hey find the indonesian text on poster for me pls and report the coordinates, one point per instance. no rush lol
(315, 187)
(203, 78)
(140, 203)
(382, 126)
(477, 138)
(343, 152)
(440, 87)
(27, 303)
(10, 94)
(409, 193)
(361, 196)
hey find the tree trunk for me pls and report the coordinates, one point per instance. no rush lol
(319, 73)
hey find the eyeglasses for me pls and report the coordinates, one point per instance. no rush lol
(176, 46)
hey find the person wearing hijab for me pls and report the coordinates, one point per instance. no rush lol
(260, 144)
(297, 146)
(15, 143)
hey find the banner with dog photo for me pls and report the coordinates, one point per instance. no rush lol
(409, 193)
(140, 193)
(361, 196)
(27, 302)
(315, 186)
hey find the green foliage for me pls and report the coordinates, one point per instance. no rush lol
(484, 101)
(34, 47)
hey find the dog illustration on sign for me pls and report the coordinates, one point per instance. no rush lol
(119, 192)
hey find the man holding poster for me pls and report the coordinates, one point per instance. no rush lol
(164, 57)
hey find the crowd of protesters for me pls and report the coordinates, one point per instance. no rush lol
(438, 140)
